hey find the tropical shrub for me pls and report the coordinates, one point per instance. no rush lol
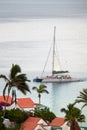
(16, 115)
(2, 127)
(1, 115)
(16, 128)
(45, 114)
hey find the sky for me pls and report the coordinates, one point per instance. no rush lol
(42, 8)
(70, 32)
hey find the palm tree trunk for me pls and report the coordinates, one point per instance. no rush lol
(74, 125)
(39, 98)
(5, 106)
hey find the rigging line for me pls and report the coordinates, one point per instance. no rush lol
(46, 61)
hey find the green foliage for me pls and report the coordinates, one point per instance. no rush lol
(2, 127)
(45, 114)
(16, 79)
(14, 70)
(16, 115)
(82, 98)
(16, 128)
(1, 115)
(40, 90)
(72, 113)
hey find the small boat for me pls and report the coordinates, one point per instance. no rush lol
(37, 79)
(58, 75)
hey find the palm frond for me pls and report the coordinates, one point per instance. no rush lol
(81, 118)
(45, 91)
(83, 94)
(73, 113)
(23, 87)
(42, 86)
(82, 98)
(21, 78)
(4, 77)
(34, 88)
(63, 110)
(14, 71)
(84, 105)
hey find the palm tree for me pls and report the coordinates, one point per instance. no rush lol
(15, 80)
(82, 98)
(73, 115)
(41, 89)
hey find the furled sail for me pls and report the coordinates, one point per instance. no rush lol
(56, 68)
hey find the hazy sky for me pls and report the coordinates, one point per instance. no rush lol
(42, 8)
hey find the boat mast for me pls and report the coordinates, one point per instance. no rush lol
(53, 49)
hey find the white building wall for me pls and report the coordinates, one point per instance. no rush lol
(42, 122)
(38, 127)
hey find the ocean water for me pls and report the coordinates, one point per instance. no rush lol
(26, 42)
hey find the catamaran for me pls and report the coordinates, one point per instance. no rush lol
(57, 75)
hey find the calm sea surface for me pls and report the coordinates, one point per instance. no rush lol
(27, 43)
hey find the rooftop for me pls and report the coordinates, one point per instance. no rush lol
(30, 123)
(25, 102)
(58, 121)
(2, 100)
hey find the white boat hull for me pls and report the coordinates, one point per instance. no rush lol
(55, 80)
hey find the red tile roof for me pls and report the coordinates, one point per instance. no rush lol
(25, 103)
(4, 101)
(57, 121)
(30, 123)
(22, 102)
